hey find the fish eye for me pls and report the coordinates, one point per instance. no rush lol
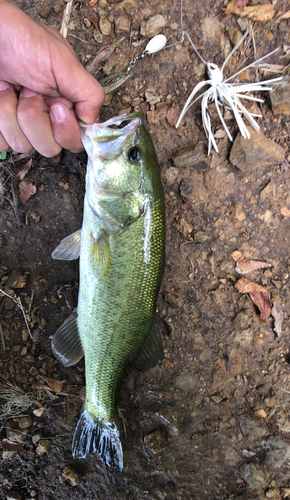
(133, 154)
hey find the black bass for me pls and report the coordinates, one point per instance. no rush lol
(121, 249)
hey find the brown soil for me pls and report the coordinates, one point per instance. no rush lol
(212, 421)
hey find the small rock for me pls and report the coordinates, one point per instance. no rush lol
(186, 381)
(73, 477)
(105, 26)
(24, 422)
(16, 280)
(151, 95)
(280, 99)
(282, 422)
(129, 5)
(175, 302)
(44, 11)
(254, 476)
(87, 22)
(252, 429)
(184, 227)
(43, 446)
(155, 441)
(13, 495)
(122, 25)
(209, 179)
(256, 152)
(200, 237)
(266, 216)
(277, 451)
(98, 36)
(189, 156)
(153, 26)
(170, 175)
(244, 338)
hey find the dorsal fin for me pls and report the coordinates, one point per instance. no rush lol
(151, 351)
(66, 344)
(69, 248)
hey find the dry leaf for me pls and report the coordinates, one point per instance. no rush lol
(11, 446)
(278, 318)
(256, 13)
(262, 300)
(21, 172)
(246, 286)
(93, 2)
(54, 384)
(39, 411)
(284, 16)
(245, 266)
(103, 54)
(26, 190)
(43, 388)
(94, 20)
(260, 13)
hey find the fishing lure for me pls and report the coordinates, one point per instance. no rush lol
(112, 82)
(222, 92)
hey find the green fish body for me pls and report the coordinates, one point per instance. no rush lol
(121, 249)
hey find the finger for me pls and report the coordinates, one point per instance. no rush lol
(65, 128)
(35, 123)
(11, 133)
(3, 144)
(86, 93)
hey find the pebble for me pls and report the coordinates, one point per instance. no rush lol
(13, 495)
(122, 25)
(24, 422)
(151, 95)
(256, 152)
(152, 26)
(16, 280)
(254, 476)
(184, 227)
(43, 446)
(189, 156)
(105, 26)
(170, 175)
(186, 381)
(277, 451)
(252, 429)
(73, 477)
(129, 5)
(155, 441)
(87, 22)
(280, 99)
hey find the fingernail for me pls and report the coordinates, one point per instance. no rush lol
(4, 85)
(58, 113)
(27, 93)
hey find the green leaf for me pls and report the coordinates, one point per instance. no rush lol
(3, 155)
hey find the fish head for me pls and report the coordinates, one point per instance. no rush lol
(118, 157)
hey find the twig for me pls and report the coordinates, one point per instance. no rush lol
(19, 304)
(281, 389)
(65, 19)
(2, 337)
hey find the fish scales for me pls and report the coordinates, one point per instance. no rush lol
(121, 248)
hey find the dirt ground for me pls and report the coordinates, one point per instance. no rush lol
(212, 421)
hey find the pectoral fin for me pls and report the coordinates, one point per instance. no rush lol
(66, 343)
(151, 351)
(69, 248)
(101, 253)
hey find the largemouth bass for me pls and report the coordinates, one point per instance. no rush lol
(121, 249)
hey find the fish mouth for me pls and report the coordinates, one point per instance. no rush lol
(104, 141)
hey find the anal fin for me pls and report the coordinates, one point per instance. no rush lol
(66, 344)
(151, 351)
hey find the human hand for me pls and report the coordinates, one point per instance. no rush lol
(55, 89)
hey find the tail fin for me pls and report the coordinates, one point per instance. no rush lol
(94, 435)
